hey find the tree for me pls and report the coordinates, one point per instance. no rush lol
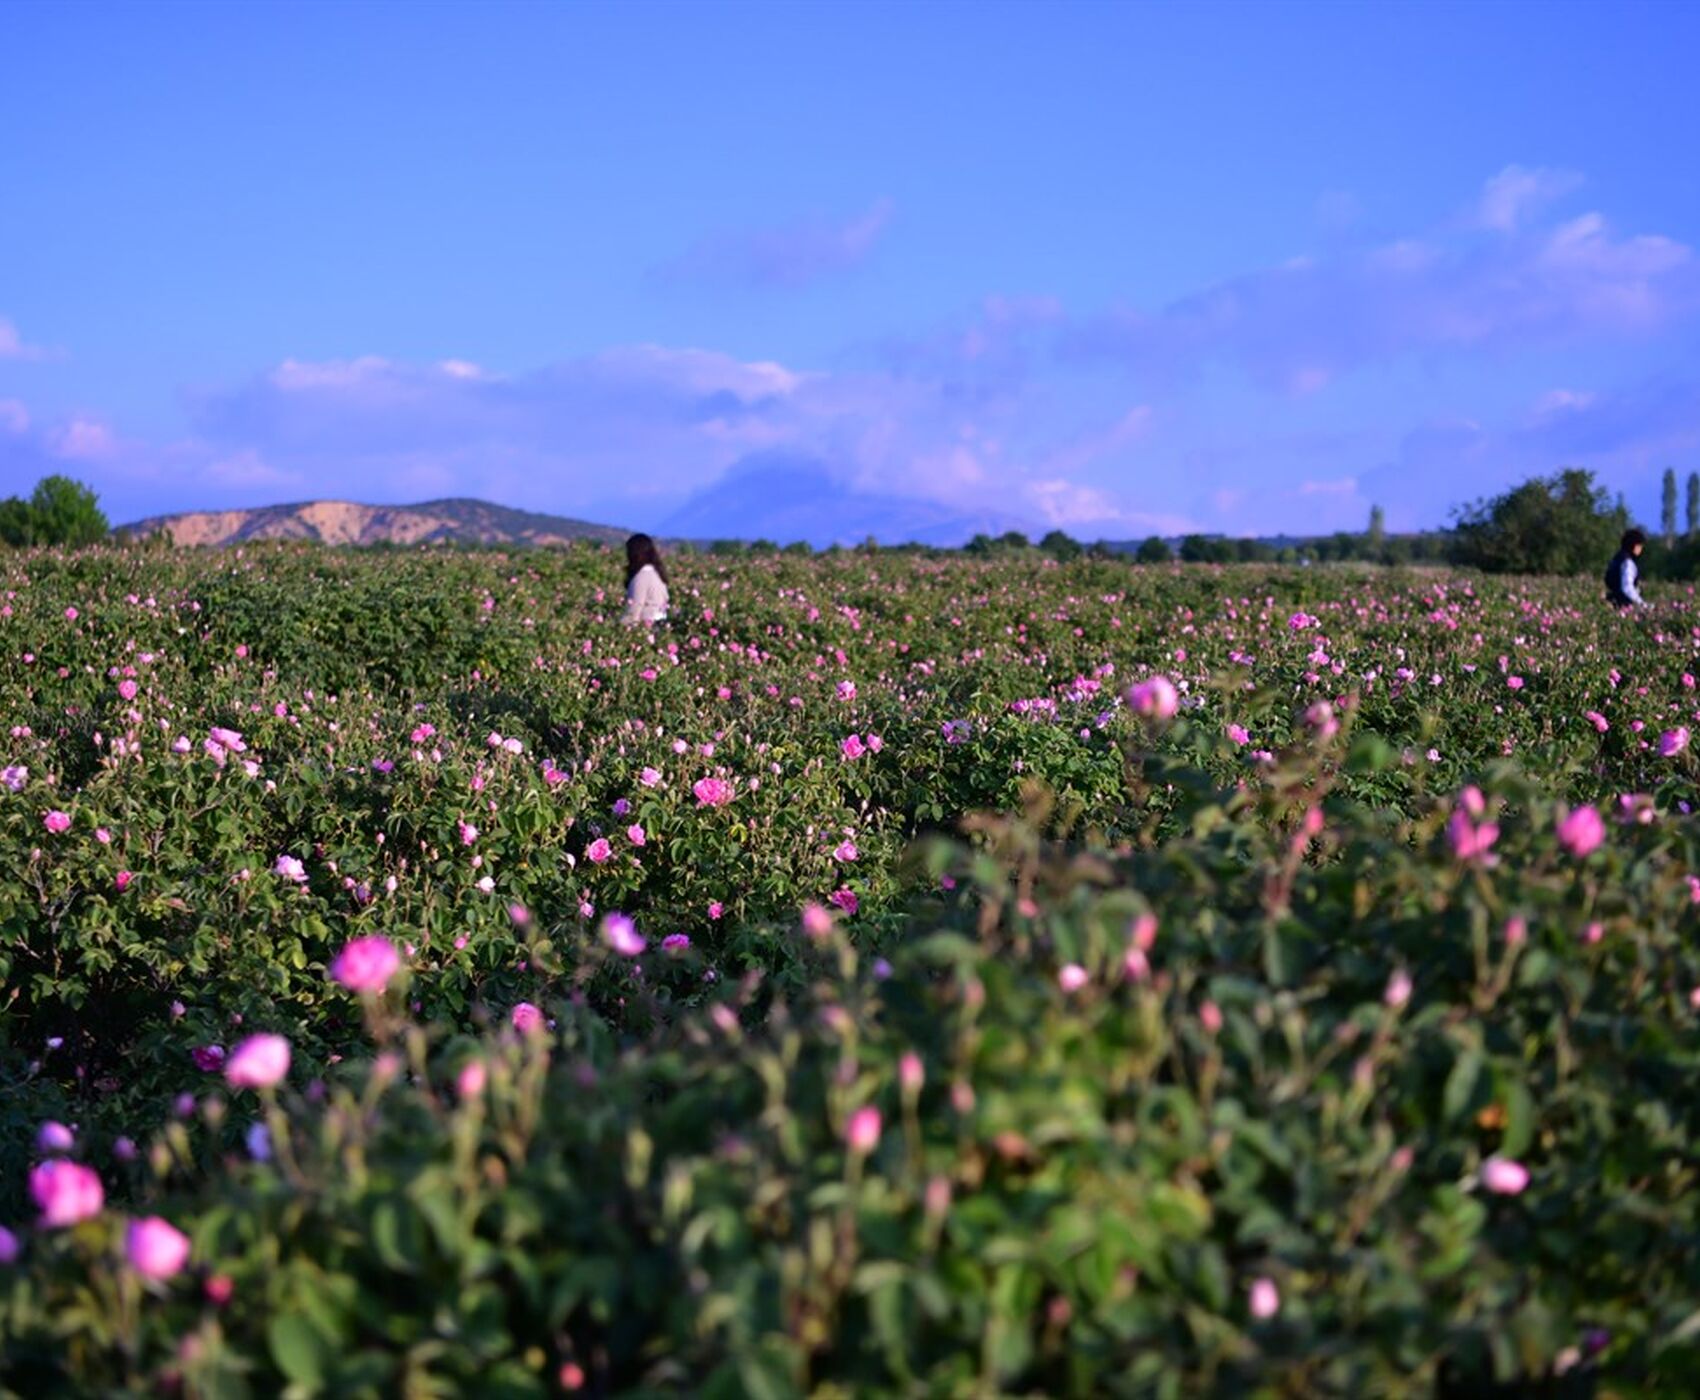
(1667, 506)
(1693, 502)
(1061, 546)
(1377, 532)
(1563, 524)
(1155, 550)
(1013, 539)
(60, 511)
(17, 522)
(1206, 549)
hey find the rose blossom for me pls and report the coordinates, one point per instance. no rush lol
(258, 1062)
(66, 1192)
(155, 1248)
(366, 965)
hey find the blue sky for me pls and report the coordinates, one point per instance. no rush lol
(1111, 267)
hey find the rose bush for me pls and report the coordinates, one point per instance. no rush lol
(392, 841)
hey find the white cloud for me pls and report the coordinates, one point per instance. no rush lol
(83, 440)
(14, 347)
(14, 417)
(1509, 198)
(791, 255)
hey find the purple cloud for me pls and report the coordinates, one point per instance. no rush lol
(790, 256)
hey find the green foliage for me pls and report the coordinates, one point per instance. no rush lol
(1154, 550)
(59, 512)
(1061, 546)
(1207, 549)
(1564, 524)
(1081, 1193)
(1667, 505)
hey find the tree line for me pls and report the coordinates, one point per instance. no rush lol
(1566, 523)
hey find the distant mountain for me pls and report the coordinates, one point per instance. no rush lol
(343, 522)
(784, 498)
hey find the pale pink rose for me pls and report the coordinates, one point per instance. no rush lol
(1155, 699)
(845, 851)
(258, 1062)
(621, 934)
(1072, 977)
(817, 923)
(155, 1248)
(650, 777)
(911, 1073)
(635, 834)
(1504, 1177)
(66, 1192)
(469, 1083)
(527, 1018)
(289, 868)
(366, 965)
(1398, 989)
(1265, 1299)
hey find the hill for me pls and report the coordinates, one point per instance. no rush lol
(456, 521)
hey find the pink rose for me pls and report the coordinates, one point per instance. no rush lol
(527, 1018)
(258, 1062)
(712, 792)
(598, 851)
(1504, 1177)
(863, 1131)
(66, 1192)
(155, 1248)
(366, 965)
(1265, 1299)
(1581, 831)
(622, 936)
(56, 822)
(1155, 698)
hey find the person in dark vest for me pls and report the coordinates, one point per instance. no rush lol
(1623, 574)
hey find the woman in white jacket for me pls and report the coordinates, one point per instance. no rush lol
(646, 583)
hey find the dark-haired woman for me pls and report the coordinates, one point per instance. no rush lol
(1624, 572)
(646, 582)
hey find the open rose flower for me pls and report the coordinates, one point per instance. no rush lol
(258, 1062)
(366, 965)
(155, 1248)
(66, 1193)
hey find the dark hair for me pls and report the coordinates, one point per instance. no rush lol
(1631, 538)
(641, 550)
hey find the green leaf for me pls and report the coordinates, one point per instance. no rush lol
(298, 1349)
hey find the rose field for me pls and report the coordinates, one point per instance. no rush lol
(898, 974)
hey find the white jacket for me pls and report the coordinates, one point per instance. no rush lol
(646, 597)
